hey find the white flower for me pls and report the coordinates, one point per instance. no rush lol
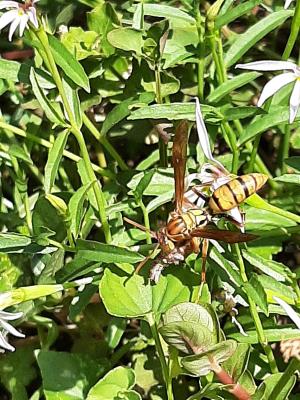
(18, 14)
(6, 328)
(287, 3)
(278, 81)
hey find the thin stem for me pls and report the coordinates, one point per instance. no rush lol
(104, 141)
(161, 356)
(254, 153)
(48, 145)
(163, 155)
(293, 32)
(285, 146)
(201, 61)
(254, 313)
(232, 141)
(293, 366)
(146, 222)
(42, 36)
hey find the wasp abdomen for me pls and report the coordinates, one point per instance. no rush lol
(234, 192)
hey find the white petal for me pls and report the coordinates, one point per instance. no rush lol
(32, 17)
(8, 4)
(287, 4)
(7, 17)
(295, 101)
(11, 329)
(274, 85)
(220, 181)
(4, 343)
(239, 326)
(13, 27)
(268, 65)
(237, 216)
(8, 316)
(203, 135)
(23, 24)
(289, 310)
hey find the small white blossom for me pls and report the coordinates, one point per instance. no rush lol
(6, 328)
(287, 3)
(278, 81)
(18, 15)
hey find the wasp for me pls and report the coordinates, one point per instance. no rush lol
(188, 225)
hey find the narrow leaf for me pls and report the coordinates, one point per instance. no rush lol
(107, 253)
(235, 13)
(76, 207)
(73, 100)
(68, 63)
(54, 158)
(245, 41)
(230, 85)
(50, 111)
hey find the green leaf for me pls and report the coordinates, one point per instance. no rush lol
(246, 40)
(46, 215)
(81, 42)
(191, 328)
(163, 11)
(75, 207)
(125, 295)
(289, 178)
(264, 122)
(17, 371)
(17, 72)
(73, 101)
(19, 152)
(227, 87)
(13, 241)
(233, 113)
(162, 181)
(53, 114)
(272, 335)
(143, 184)
(102, 19)
(73, 378)
(267, 389)
(54, 158)
(201, 364)
(293, 162)
(68, 63)
(235, 13)
(107, 253)
(237, 364)
(115, 384)
(255, 290)
(127, 39)
(172, 111)
(274, 288)
(276, 270)
(122, 110)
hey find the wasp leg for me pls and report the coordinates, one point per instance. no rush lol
(143, 262)
(204, 257)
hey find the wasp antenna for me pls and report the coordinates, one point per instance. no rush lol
(141, 227)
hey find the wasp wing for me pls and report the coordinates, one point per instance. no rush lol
(179, 161)
(222, 235)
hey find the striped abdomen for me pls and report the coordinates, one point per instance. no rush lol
(234, 192)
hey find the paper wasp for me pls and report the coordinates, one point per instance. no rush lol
(188, 224)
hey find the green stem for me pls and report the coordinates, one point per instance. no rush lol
(254, 313)
(163, 155)
(232, 141)
(285, 146)
(201, 61)
(42, 36)
(293, 366)
(161, 356)
(293, 32)
(104, 141)
(48, 145)
(254, 153)
(146, 222)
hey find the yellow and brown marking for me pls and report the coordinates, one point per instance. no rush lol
(234, 192)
